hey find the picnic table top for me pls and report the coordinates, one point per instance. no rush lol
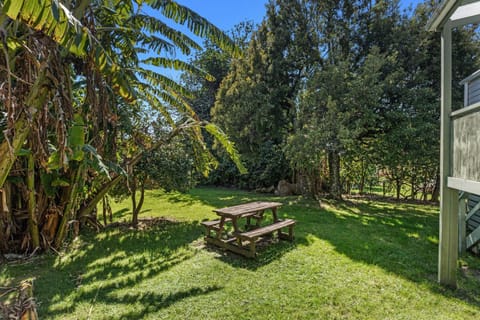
(245, 208)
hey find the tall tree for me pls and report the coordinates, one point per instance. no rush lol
(256, 101)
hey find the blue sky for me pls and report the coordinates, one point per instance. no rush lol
(227, 13)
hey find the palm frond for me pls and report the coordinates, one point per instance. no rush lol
(156, 103)
(177, 65)
(164, 82)
(154, 26)
(228, 145)
(52, 18)
(195, 23)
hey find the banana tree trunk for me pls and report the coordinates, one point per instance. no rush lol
(32, 214)
(68, 212)
(3, 212)
(35, 100)
(9, 149)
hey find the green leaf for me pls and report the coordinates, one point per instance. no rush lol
(12, 8)
(97, 160)
(23, 152)
(76, 134)
(54, 162)
(229, 147)
(60, 183)
(46, 180)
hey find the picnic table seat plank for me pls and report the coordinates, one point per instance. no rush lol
(251, 236)
(255, 233)
(210, 223)
(215, 225)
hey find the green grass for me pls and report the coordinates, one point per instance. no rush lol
(356, 259)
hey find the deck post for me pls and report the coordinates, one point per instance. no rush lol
(448, 238)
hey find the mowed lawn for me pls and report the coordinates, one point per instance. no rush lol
(356, 259)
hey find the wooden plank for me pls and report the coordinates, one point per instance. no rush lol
(448, 238)
(466, 147)
(267, 229)
(474, 197)
(474, 222)
(245, 208)
(464, 185)
(473, 97)
(465, 111)
(472, 92)
(474, 85)
(213, 222)
(231, 247)
(473, 211)
(473, 238)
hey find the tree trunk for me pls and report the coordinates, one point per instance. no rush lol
(32, 212)
(69, 207)
(334, 173)
(104, 211)
(3, 218)
(92, 203)
(137, 207)
(35, 100)
(133, 196)
(398, 187)
(413, 191)
(142, 197)
(436, 188)
(362, 179)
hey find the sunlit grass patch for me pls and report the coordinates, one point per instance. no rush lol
(354, 259)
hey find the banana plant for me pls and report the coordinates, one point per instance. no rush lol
(73, 72)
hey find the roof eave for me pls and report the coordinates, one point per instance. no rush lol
(442, 14)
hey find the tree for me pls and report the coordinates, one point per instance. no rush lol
(69, 88)
(256, 101)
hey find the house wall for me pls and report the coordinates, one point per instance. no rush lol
(466, 147)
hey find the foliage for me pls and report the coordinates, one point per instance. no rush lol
(256, 101)
(263, 169)
(356, 259)
(347, 90)
(77, 84)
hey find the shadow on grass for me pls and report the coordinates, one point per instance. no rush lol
(267, 252)
(104, 268)
(401, 238)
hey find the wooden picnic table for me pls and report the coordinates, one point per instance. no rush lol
(252, 232)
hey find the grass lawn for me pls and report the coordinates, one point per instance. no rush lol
(356, 259)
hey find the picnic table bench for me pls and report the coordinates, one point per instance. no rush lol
(244, 241)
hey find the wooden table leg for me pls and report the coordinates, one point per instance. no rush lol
(275, 216)
(220, 227)
(235, 225)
